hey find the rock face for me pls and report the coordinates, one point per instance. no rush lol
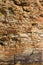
(21, 31)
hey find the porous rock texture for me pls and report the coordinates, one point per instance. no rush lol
(21, 31)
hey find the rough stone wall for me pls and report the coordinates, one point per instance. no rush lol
(21, 31)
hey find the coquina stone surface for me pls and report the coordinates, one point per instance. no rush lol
(21, 31)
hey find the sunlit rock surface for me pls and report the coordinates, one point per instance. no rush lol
(21, 32)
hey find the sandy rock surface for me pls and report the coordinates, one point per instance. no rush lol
(21, 31)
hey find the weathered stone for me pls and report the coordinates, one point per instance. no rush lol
(21, 31)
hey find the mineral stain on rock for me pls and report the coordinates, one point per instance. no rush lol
(21, 32)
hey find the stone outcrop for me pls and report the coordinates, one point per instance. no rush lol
(21, 31)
